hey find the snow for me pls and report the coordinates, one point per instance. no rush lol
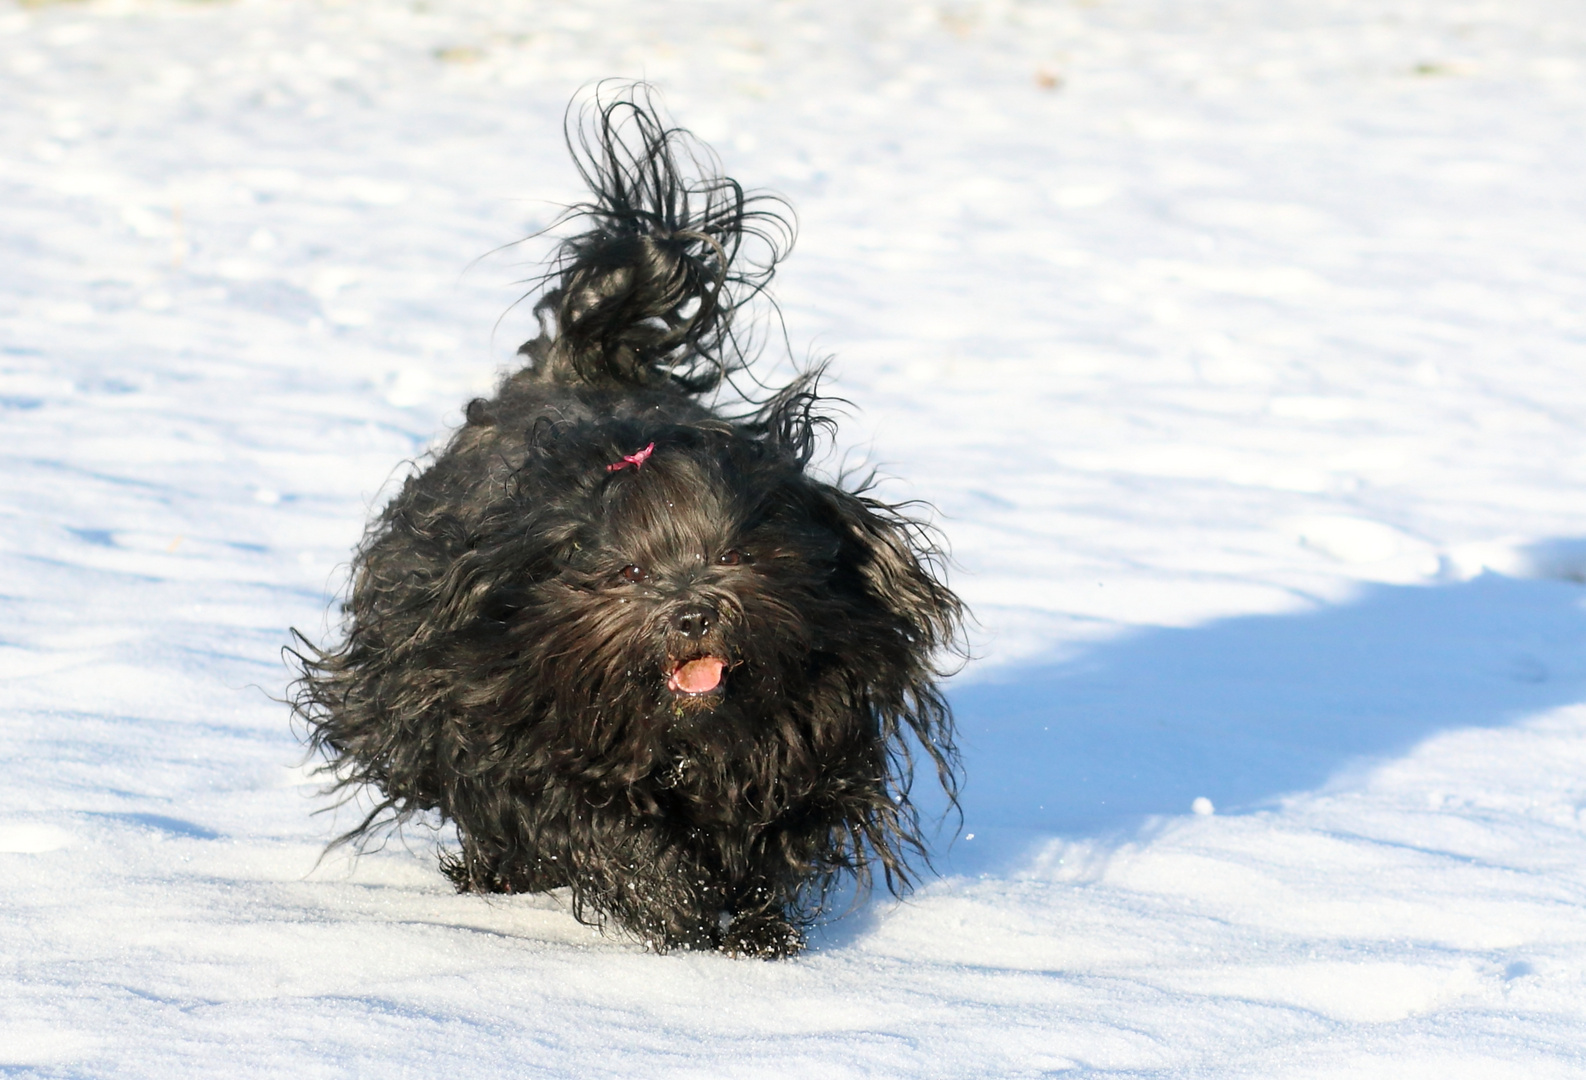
(1237, 342)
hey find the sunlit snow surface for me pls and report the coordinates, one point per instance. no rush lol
(1241, 346)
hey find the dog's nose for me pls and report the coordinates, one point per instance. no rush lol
(695, 621)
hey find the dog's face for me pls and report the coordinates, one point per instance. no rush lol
(715, 587)
(698, 582)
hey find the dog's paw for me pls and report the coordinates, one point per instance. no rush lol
(762, 935)
(477, 875)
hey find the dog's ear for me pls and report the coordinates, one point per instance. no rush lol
(905, 622)
(897, 562)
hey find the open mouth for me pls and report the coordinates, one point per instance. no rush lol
(697, 677)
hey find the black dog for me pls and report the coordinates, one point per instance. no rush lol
(627, 644)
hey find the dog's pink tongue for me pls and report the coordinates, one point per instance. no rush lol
(699, 676)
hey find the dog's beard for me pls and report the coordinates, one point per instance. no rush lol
(711, 719)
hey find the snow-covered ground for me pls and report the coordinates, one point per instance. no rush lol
(1241, 345)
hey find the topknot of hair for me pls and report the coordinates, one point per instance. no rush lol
(649, 293)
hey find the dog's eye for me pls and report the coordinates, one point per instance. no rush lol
(634, 573)
(731, 558)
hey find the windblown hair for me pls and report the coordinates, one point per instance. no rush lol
(630, 646)
(673, 251)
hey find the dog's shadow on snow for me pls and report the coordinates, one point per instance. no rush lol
(1245, 710)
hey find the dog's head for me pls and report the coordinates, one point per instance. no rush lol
(674, 583)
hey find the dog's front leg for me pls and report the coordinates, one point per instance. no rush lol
(759, 927)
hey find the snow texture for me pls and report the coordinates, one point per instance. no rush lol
(1239, 344)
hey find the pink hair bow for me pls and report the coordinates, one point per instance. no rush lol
(636, 459)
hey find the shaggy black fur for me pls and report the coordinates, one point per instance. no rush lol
(688, 689)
